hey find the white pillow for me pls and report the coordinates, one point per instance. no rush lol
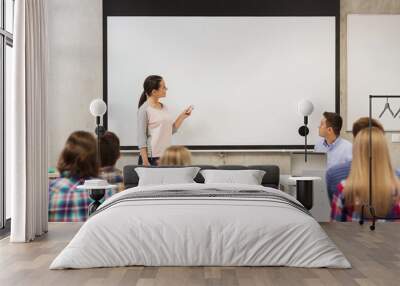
(166, 176)
(248, 177)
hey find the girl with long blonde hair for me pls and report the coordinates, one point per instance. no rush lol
(354, 192)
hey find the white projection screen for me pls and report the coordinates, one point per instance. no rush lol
(244, 75)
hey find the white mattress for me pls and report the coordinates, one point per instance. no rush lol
(200, 231)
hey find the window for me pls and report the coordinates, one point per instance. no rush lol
(9, 19)
(6, 63)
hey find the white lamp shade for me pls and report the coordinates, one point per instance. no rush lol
(98, 107)
(305, 107)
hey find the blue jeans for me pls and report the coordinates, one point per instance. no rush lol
(152, 160)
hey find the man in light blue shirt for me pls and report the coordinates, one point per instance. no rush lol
(338, 149)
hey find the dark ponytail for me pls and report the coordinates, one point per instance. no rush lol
(142, 99)
(150, 83)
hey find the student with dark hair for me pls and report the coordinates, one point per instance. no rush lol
(338, 149)
(109, 155)
(77, 163)
(78, 158)
(339, 172)
(155, 124)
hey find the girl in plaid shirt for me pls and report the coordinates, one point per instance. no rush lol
(352, 194)
(77, 163)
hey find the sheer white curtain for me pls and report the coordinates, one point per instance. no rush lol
(27, 158)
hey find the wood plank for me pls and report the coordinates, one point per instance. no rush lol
(375, 257)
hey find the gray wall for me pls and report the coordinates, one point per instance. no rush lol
(75, 68)
(75, 47)
(362, 7)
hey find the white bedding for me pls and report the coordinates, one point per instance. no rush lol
(200, 231)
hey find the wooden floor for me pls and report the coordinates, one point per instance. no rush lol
(375, 257)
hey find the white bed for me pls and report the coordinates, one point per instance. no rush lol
(240, 228)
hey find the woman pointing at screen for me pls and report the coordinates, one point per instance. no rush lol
(155, 123)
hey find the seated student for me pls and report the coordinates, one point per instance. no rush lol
(338, 149)
(339, 172)
(176, 156)
(109, 155)
(354, 192)
(77, 163)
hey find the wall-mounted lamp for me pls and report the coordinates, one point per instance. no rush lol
(98, 108)
(305, 108)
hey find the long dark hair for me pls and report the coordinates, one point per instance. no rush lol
(150, 83)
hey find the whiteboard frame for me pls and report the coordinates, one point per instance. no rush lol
(221, 8)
